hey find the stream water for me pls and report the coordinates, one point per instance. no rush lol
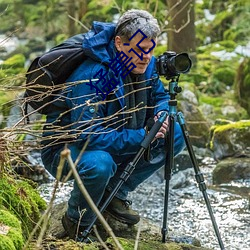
(187, 212)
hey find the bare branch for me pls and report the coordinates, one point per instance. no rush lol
(66, 154)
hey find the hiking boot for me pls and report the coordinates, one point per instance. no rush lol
(121, 211)
(75, 231)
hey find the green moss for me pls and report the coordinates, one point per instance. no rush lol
(219, 102)
(16, 237)
(9, 219)
(14, 234)
(236, 125)
(22, 200)
(60, 38)
(13, 71)
(6, 243)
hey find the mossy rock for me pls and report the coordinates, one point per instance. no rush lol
(10, 231)
(22, 200)
(232, 139)
(231, 169)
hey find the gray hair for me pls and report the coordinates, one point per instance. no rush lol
(132, 20)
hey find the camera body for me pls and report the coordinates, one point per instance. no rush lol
(171, 65)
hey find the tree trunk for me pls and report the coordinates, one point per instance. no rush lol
(83, 7)
(181, 27)
(72, 13)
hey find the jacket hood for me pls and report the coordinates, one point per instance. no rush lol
(98, 43)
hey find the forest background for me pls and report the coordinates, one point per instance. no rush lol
(214, 33)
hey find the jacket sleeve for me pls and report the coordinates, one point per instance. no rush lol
(88, 121)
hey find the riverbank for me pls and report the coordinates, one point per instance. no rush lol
(188, 215)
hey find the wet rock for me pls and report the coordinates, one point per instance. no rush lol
(181, 179)
(231, 169)
(190, 96)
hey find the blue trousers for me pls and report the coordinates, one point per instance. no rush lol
(100, 170)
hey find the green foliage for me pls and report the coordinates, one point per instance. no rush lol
(159, 50)
(12, 67)
(224, 75)
(17, 61)
(219, 102)
(214, 101)
(242, 84)
(216, 67)
(221, 23)
(229, 23)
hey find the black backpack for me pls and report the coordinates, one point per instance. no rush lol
(47, 74)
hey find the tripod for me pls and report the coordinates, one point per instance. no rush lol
(129, 169)
(173, 90)
(169, 163)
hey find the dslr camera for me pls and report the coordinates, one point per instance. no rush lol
(171, 65)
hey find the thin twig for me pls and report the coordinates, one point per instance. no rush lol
(66, 154)
(99, 238)
(77, 21)
(138, 236)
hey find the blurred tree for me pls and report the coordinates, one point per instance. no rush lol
(71, 6)
(181, 26)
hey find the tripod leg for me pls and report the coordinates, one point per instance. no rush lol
(129, 168)
(168, 173)
(199, 177)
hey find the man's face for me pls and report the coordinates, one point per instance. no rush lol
(146, 45)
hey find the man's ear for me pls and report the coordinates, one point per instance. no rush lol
(118, 42)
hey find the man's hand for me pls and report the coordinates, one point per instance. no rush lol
(164, 128)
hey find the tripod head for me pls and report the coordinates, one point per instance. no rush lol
(174, 89)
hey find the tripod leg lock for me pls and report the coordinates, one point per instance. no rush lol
(200, 180)
(127, 172)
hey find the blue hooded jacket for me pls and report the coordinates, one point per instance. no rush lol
(90, 118)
